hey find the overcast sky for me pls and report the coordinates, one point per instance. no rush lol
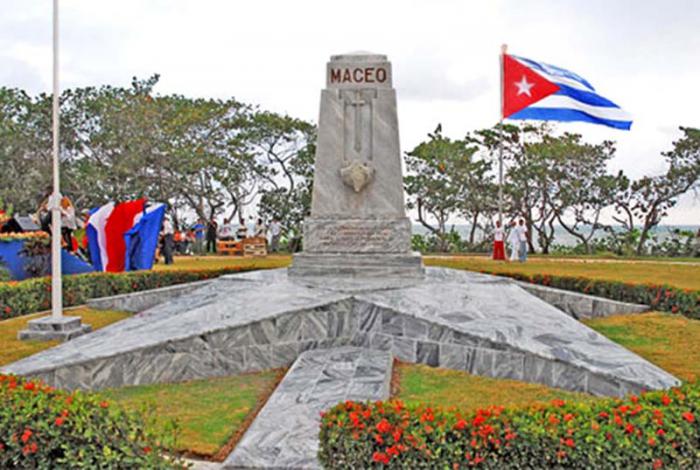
(643, 55)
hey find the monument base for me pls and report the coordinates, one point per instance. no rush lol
(357, 235)
(49, 328)
(374, 265)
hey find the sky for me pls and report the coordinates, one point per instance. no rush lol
(641, 54)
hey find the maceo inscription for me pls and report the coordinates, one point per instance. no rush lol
(358, 75)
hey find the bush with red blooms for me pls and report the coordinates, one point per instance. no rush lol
(653, 430)
(659, 297)
(41, 427)
(33, 295)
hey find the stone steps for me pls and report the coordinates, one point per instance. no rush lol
(285, 432)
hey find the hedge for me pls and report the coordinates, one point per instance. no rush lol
(658, 297)
(44, 428)
(24, 297)
(653, 430)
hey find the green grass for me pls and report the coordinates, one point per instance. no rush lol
(217, 262)
(208, 412)
(670, 341)
(451, 388)
(12, 349)
(680, 275)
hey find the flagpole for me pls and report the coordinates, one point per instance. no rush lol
(504, 48)
(55, 199)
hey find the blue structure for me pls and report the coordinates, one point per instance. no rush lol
(15, 263)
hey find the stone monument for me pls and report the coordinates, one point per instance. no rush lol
(358, 225)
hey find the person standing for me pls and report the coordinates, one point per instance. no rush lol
(513, 242)
(199, 230)
(68, 222)
(499, 252)
(212, 227)
(168, 241)
(260, 229)
(275, 232)
(522, 238)
(242, 232)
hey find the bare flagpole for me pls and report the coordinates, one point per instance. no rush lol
(55, 199)
(504, 48)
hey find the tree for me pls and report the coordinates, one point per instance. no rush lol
(649, 198)
(443, 180)
(282, 149)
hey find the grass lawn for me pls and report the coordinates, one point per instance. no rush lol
(681, 275)
(12, 349)
(670, 341)
(422, 384)
(208, 412)
(217, 262)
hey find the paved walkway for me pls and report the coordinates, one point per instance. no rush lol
(285, 433)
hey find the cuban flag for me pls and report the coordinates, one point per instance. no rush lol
(124, 236)
(539, 91)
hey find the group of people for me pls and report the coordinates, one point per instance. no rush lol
(517, 241)
(203, 236)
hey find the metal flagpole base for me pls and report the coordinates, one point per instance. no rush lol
(50, 328)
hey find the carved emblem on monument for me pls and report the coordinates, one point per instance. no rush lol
(356, 174)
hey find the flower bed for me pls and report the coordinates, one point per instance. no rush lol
(33, 295)
(658, 297)
(45, 428)
(653, 430)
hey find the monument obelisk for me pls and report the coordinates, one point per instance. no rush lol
(358, 225)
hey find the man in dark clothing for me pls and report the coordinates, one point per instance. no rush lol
(212, 228)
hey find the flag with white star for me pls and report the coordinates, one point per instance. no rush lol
(539, 91)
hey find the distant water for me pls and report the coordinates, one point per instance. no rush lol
(561, 236)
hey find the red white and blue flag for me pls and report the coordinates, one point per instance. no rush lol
(123, 236)
(539, 91)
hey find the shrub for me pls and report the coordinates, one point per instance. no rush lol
(23, 297)
(650, 431)
(658, 297)
(41, 427)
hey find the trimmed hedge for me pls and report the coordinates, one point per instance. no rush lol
(41, 427)
(24, 297)
(658, 297)
(654, 430)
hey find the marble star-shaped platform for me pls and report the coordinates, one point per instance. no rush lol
(253, 321)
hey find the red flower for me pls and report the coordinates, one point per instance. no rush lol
(629, 429)
(8, 310)
(26, 435)
(553, 419)
(558, 403)
(666, 400)
(658, 463)
(383, 426)
(561, 454)
(104, 404)
(147, 450)
(660, 432)
(634, 399)
(603, 414)
(29, 386)
(652, 441)
(381, 457)
(378, 439)
(59, 421)
(460, 425)
(688, 416)
(568, 442)
(568, 417)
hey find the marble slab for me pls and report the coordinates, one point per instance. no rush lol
(285, 432)
(254, 321)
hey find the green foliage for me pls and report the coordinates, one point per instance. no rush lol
(656, 429)
(33, 295)
(45, 428)
(445, 179)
